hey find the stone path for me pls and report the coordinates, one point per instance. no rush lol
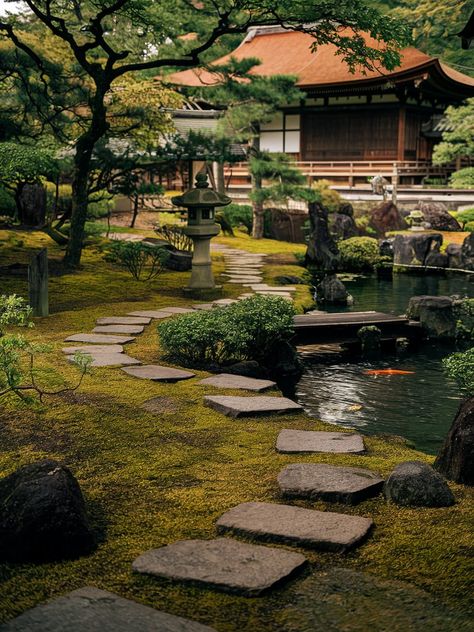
(226, 563)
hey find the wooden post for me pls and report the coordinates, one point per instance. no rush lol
(395, 183)
(402, 117)
(38, 283)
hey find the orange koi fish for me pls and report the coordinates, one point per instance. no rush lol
(387, 372)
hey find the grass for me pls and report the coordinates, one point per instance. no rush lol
(150, 479)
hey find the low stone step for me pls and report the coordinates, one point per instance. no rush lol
(93, 349)
(151, 313)
(316, 441)
(204, 307)
(323, 530)
(222, 563)
(228, 380)
(124, 320)
(100, 339)
(177, 310)
(158, 373)
(118, 329)
(242, 280)
(331, 483)
(92, 610)
(224, 301)
(234, 406)
(273, 288)
(110, 359)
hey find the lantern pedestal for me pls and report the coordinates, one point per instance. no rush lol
(202, 278)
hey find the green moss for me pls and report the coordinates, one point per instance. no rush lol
(150, 479)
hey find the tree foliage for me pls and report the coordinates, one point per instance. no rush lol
(458, 140)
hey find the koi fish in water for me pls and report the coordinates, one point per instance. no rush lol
(387, 372)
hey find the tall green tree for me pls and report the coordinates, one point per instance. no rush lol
(458, 139)
(112, 39)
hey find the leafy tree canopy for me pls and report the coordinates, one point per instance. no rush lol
(458, 141)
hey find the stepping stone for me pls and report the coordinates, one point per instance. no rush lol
(227, 380)
(233, 406)
(224, 301)
(315, 441)
(273, 288)
(118, 329)
(331, 483)
(204, 307)
(124, 320)
(92, 610)
(100, 339)
(321, 530)
(242, 281)
(222, 563)
(93, 349)
(110, 359)
(151, 313)
(177, 310)
(158, 373)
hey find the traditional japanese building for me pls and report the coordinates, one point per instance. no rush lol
(348, 126)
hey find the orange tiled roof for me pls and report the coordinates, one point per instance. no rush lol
(289, 53)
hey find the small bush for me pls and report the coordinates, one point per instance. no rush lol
(465, 217)
(359, 253)
(463, 179)
(239, 215)
(464, 313)
(7, 203)
(242, 331)
(329, 198)
(174, 235)
(460, 367)
(143, 261)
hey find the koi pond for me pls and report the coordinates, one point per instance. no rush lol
(418, 405)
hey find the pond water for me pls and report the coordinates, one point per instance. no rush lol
(420, 406)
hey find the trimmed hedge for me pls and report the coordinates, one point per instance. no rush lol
(359, 253)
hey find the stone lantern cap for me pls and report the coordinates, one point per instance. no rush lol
(201, 196)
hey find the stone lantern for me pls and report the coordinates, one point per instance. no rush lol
(201, 203)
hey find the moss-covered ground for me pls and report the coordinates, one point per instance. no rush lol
(152, 478)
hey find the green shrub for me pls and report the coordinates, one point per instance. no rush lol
(463, 179)
(7, 203)
(239, 215)
(143, 261)
(359, 253)
(464, 313)
(329, 198)
(465, 217)
(460, 367)
(242, 331)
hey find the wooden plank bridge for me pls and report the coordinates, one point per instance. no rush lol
(343, 327)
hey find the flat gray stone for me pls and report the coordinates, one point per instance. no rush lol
(233, 406)
(92, 610)
(204, 307)
(110, 359)
(124, 320)
(151, 313)
(315, 441)
(93, 349)
(158, 373)
(242, 280)
(227, 380)
(273, 288)
(177, 310)
(224, 301)
(118, 329)
(323, 530)
(331, 483)
(100, 339)
(222, 563)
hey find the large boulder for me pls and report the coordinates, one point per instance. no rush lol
(435, 313)
(332, 290)
(454, 252)
(456, 457)
(283, 363)
(343, 226)
(414, 249)
(386, 217)
(437, 259)
(437, 216)
(179, 260)
(42, 515)
(467, 253)
(417, 484)
(32, 205)
(322, 253)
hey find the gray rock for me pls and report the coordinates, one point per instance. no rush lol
(386, 248)
(177, 310)
(456, 458)
(204, 307)
(332, 290)
(110, 359)
(342, 226)
(251, 406)
(93, 349)
(227, 380)
(437, 216)
(437, 259)
(291, 441)
(179, 260)
(222, 563)
(124, 320)
(151, 313)
(223, 302)
(92, 610)
(414, 249)
(435, 313)
(322, 252)
(454, 252)
(386, 217)
(118, 329)
(467, 253)
(158, 373)
(331, 483)
(321, 530)
(43, 514)
(100, 339)
(417, 484)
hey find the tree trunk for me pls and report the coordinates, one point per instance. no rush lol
(136, 199)
(80, 183)
(220, 177)
(258, 210)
